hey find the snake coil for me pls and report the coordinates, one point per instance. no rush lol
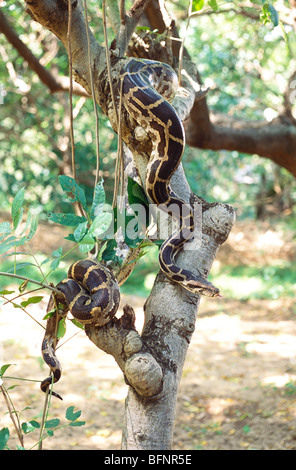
(91, 293)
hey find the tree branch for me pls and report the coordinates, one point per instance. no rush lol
(275, 140)
(55, 84)
(129, 22)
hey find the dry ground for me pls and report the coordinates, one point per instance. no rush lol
(238, 388)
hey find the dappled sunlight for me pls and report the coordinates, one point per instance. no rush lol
(234, 384)
(238, 384)
(270, 240)
(258, 337)
(98, 441)
(282, 345)
(239, 378)
(278, 380)
(218, 406)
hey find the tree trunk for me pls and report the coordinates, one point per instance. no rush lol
(151, 363)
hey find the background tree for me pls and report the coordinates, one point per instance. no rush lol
(202, 129)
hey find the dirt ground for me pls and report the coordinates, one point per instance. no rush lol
(238, 389)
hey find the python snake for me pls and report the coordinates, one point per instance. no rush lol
(91, 292)
(148, 87)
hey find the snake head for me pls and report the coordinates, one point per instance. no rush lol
(199, 285)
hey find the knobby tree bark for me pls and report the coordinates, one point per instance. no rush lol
(152, 362)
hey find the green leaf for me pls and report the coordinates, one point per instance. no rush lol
(197, 5)
(35, 424)
(52, 423)
(110, 250)
(4, 368)
(6, 245)
(55, 264)
(15, 305)
(6, 292)
(61, 328)
(213, 4)
(69, 185)
(30, 426)
(80, 231)
(4, 436)
(143, 28)
(77, 423)
(28, 222)
(66, 219)
(12, 387)
(5, 227)
(33, 227)
(20, 266)
(274, 17)
(87, 243)
(77, 323)
(18, 218)
(70, 237)
(32, 300)
(136, 194)
(102, 249)
(269, 14)
(100, 224)
(17, 203)
(23, 286)
(99, 199)
(57, 253)
(70, 415)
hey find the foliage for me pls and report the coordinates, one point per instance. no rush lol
(16, 234)
(89, 229)
(246, 62)
(47, 427)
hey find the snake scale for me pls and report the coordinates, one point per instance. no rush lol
(90, 292)
(148, 89)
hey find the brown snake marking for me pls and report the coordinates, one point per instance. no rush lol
(91, 292)
(148, 87)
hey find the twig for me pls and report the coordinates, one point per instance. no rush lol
(23, 309)
(49, 390)
(55, 84)
(21, 295)
(129, 22)
(108, 62)
(17, 276)
(118, 125)
(93, 95)
(71, 88)
(181, 52)
(11, 413)
(122, 10)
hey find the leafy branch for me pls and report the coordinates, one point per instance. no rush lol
(26, 427)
